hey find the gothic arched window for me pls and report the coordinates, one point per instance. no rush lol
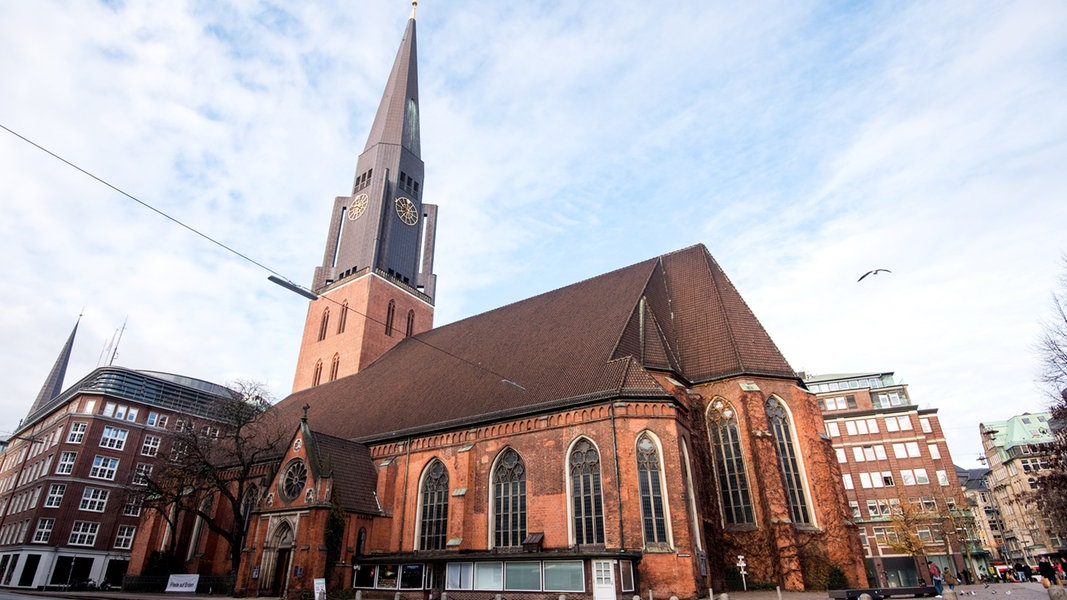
(587, 505)
(411, 324)
(317, 377)
(324, 324)
(336, 364)
(343, 319)
(792, 479)
(361, 542)
(730, 463)
(654, 520)
(433, 525)
(509, 500)
(390, 314)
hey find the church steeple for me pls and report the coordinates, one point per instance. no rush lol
(384, 225)
(53, 385)
(376, 283)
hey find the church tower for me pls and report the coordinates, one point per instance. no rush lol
(376, 283)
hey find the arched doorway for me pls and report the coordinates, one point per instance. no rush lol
(282, 547)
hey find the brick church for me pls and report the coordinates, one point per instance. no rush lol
(632, 433)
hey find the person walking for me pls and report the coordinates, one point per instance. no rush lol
(951, 580)
(1047, 572)
(935, 576)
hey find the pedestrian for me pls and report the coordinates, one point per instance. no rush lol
(935, 575)
(966, 577)
(1018, 568)
(951, 580)
(1047, 572)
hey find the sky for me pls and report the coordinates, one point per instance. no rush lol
(803, 143)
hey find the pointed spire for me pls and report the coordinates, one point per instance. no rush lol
(397, 119)
(53, 386)
(414, 5)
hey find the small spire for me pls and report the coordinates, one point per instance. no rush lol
(414, 5)
(305, 417)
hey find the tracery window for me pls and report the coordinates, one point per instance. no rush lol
(410, 329)
(343, 318)
(792, 479)
(654, 520)
(325, 324)
(433, 525)
(587, 503)
(317, 377)
(334, 366)
(509, 495)
(729, 461)
(390, 314)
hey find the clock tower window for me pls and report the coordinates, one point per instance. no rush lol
(317, 378)
(411, 324)
(343, 318)
(334, 366)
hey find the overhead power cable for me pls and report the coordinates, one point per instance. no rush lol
(275, 276)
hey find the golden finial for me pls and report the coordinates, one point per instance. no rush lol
(414, 5)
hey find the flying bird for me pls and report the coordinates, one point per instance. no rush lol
(874, 272)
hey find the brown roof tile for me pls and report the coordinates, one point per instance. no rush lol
(590, 340)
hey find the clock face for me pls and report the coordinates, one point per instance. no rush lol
(358, 207)
(296, 477)
(405, 209)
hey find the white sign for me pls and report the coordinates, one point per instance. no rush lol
(183, 583)
(320, 589)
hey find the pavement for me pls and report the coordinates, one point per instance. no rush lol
(996, 591)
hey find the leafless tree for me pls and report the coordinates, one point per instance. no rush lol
(213, 464)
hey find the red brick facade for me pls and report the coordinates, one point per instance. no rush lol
(368, 329)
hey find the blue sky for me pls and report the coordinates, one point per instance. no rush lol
(803, 143)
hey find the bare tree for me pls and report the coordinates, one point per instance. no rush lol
(214, 463)
(1051, 494)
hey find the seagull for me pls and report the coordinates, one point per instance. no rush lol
(874, 272)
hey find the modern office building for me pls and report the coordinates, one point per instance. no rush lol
(898, 475)
(67, 514)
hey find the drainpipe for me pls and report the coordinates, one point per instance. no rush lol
(404, 499)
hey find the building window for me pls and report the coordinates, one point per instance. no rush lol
(792, 478)
(44, 531)
(847, 478)
(316, 378)
(935, 452)
(833, 429)
(509, 495)
(942, 477)
(77, 433)
(94, 500)
(390, 314)
(730, 463)
(410, 328)
(433, 527)
(587, 505)
(55, 495)
(654, 519)
(342, 320)
(150, 447)
(132, 508)
(124, 537)
(83, 533)
(104, 468)
(334, 366)
(925, 425)
(157, 420)
(114, 438)
(66, 463)
(325, 324)
(142, 474)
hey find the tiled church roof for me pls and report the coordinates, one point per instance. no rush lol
(595, 339)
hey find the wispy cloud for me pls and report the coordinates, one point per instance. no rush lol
(802, 144)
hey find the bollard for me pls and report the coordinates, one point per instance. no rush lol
(359, 594)
(865, 596)
(563, 597)
(499, 596)
(396, 596)
(779, 588)
(674, 597)
(724, 596)
(444, 596)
